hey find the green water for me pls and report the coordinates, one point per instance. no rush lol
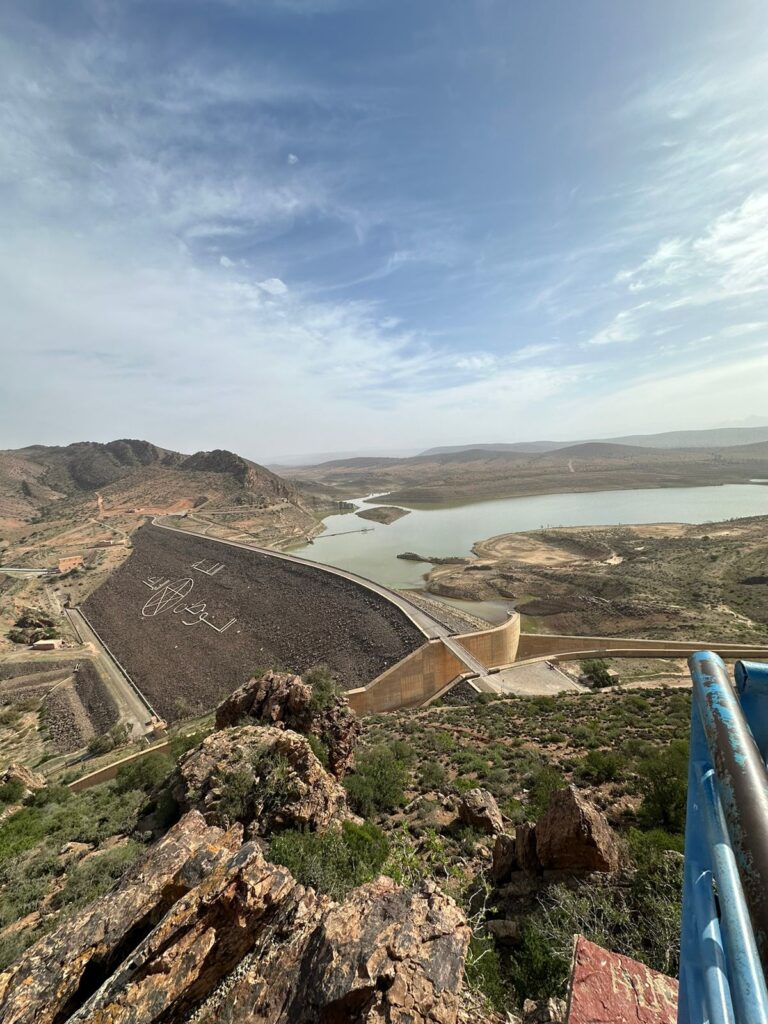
(453, 531)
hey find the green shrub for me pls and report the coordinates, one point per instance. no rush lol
(664, 785)
(596, 672)
(600, 766)
(183, 742)
(378, 783)
(641, 921)
(325, 686)
(98, 745)
(538, 967)
(11, 792)
(145, 774)
(431, 775)
(236, 794)
(87, 881)
(319, 749)
(544, 783)
(483, 971)
(333, 862)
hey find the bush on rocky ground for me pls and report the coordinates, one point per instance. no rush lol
(378, 782)
(335, 861)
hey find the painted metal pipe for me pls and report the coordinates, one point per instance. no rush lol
(747, 982)
(716, 986)
(752, 685)
(742, 784)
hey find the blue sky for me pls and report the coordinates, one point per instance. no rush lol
(284, 226)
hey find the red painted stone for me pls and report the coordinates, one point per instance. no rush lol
(607, 988)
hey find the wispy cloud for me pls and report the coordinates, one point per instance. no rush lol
(282, 223)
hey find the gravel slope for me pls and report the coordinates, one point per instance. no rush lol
(287, 615)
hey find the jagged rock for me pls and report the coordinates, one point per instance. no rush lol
(279, 698)
(30, 781)
(505, 931)
(384, 954)
(548, 1011)
(264, 777)
(572, 835)
(504, 858)
(237, 939)
(525, 848)
(478, 809)
(44, 984)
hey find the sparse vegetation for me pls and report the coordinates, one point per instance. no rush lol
(378, 782)
(334, 862)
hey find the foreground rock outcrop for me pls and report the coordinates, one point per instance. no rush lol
(266, 778)
(203, 926)
(279, 698)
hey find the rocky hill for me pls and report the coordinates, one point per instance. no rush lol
(123, 471)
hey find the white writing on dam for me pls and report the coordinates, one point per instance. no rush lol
(171, 596)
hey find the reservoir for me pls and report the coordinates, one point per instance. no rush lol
(453, 531)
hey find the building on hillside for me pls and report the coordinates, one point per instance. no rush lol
(47, 645)
(70, 563)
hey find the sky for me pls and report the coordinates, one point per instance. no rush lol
(292, 226)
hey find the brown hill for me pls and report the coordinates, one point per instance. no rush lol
(130, 472)
(474, 474)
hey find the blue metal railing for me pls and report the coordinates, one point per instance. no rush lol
(724, 940)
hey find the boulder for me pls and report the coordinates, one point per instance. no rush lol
(525, 848)
(282, 699)
(215, 935)
(504, 859)
(266, 778)
(478, 809)
(30, 781)
(572, 835)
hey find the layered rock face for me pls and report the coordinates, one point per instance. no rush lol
(279, 698)
(207, 929)
(266, 778)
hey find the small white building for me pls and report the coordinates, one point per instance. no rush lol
(47, 645)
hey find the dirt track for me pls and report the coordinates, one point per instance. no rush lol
(286, 615)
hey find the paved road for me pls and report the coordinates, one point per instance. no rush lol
(131, 708)
(430, 626)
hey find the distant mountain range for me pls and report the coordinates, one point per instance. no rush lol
(457, 474)
(724, 437)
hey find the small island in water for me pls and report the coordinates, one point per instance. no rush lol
(384, 514)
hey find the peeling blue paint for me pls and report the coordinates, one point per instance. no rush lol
(724, 939)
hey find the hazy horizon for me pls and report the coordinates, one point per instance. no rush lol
(284, 226)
